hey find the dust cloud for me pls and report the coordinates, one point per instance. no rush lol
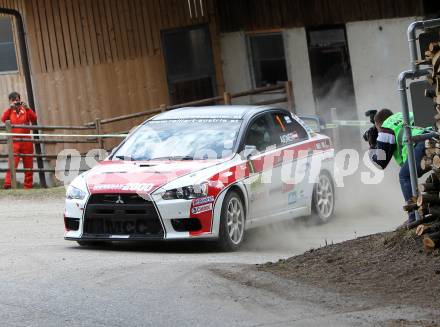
(360, 209)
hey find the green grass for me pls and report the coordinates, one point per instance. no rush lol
(36, 192)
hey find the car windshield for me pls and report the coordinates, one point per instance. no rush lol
(183, 139)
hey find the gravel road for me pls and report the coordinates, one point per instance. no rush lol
(46, 281)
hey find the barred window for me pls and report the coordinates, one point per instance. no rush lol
(268, 59)
(8, 57)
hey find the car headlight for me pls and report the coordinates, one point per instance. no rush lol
(187, 192)
(74, 193)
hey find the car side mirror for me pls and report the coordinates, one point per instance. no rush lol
(249, 150)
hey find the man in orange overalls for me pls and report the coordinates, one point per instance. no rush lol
(19, 114)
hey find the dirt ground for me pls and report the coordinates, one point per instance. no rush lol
(389, 267)
(47, 281)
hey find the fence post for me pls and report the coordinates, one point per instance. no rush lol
(290, 96)
(227, 98)
(98, 127)
(11, 159)
(336, 130)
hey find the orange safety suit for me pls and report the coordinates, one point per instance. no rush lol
(21, 116)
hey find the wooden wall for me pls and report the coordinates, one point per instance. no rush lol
(102, 58)
(75, 33)
(250, 15)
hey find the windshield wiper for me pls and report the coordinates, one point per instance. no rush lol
(125, 158)
(174, 158)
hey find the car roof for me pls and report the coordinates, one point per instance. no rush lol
(212, 112)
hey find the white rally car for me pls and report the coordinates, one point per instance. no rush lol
(204, 173)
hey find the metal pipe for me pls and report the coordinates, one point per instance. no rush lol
(412, 37)
(27, 76)
(412, 29)
(415, 72)
(403, 77)
(411, 157)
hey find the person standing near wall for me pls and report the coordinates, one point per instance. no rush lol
(19, 113)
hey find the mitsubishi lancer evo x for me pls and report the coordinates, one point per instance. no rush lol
(204, 173)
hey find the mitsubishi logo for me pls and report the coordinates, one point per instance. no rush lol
(119, 200)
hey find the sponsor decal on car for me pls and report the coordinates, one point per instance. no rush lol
(135, 187)
(205, 200)
(287, 187)
(200, 209)
(292, 198)
(289, 138)
(323, 145)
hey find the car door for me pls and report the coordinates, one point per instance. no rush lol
(289, 194)
(260, 165)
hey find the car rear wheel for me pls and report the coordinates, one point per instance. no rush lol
(232, 222)
(323, 199)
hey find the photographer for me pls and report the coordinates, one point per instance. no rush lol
(19, 114)
(387, 136)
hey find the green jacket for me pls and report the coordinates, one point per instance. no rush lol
(395, 123)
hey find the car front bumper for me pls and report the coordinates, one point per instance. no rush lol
(100, 218)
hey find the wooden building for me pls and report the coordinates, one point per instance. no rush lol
(102, 58)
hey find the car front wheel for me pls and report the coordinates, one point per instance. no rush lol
(232, 222)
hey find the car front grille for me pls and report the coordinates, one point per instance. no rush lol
(113, 215)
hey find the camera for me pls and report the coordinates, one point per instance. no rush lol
(371, 134)
(17, 104)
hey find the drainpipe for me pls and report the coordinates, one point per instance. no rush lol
(414, 73)
(403, 77)
(412, 37)
(28, 80)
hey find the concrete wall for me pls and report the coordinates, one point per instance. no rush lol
(378, 52)
(235, 62)
(298, 69)
(238, 77)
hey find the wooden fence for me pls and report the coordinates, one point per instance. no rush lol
(279, 93)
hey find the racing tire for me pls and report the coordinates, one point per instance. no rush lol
(232, 222)
(323, 199)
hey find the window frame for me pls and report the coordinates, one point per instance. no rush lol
(248, 126)
(250, 54)
(13, 42)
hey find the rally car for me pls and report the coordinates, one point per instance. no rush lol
(204, 173)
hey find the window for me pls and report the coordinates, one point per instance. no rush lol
(189, 63)
(287, 130)
(268, 59)
(8, 58)
(258, 134)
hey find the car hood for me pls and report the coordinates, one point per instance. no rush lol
(140, 177)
